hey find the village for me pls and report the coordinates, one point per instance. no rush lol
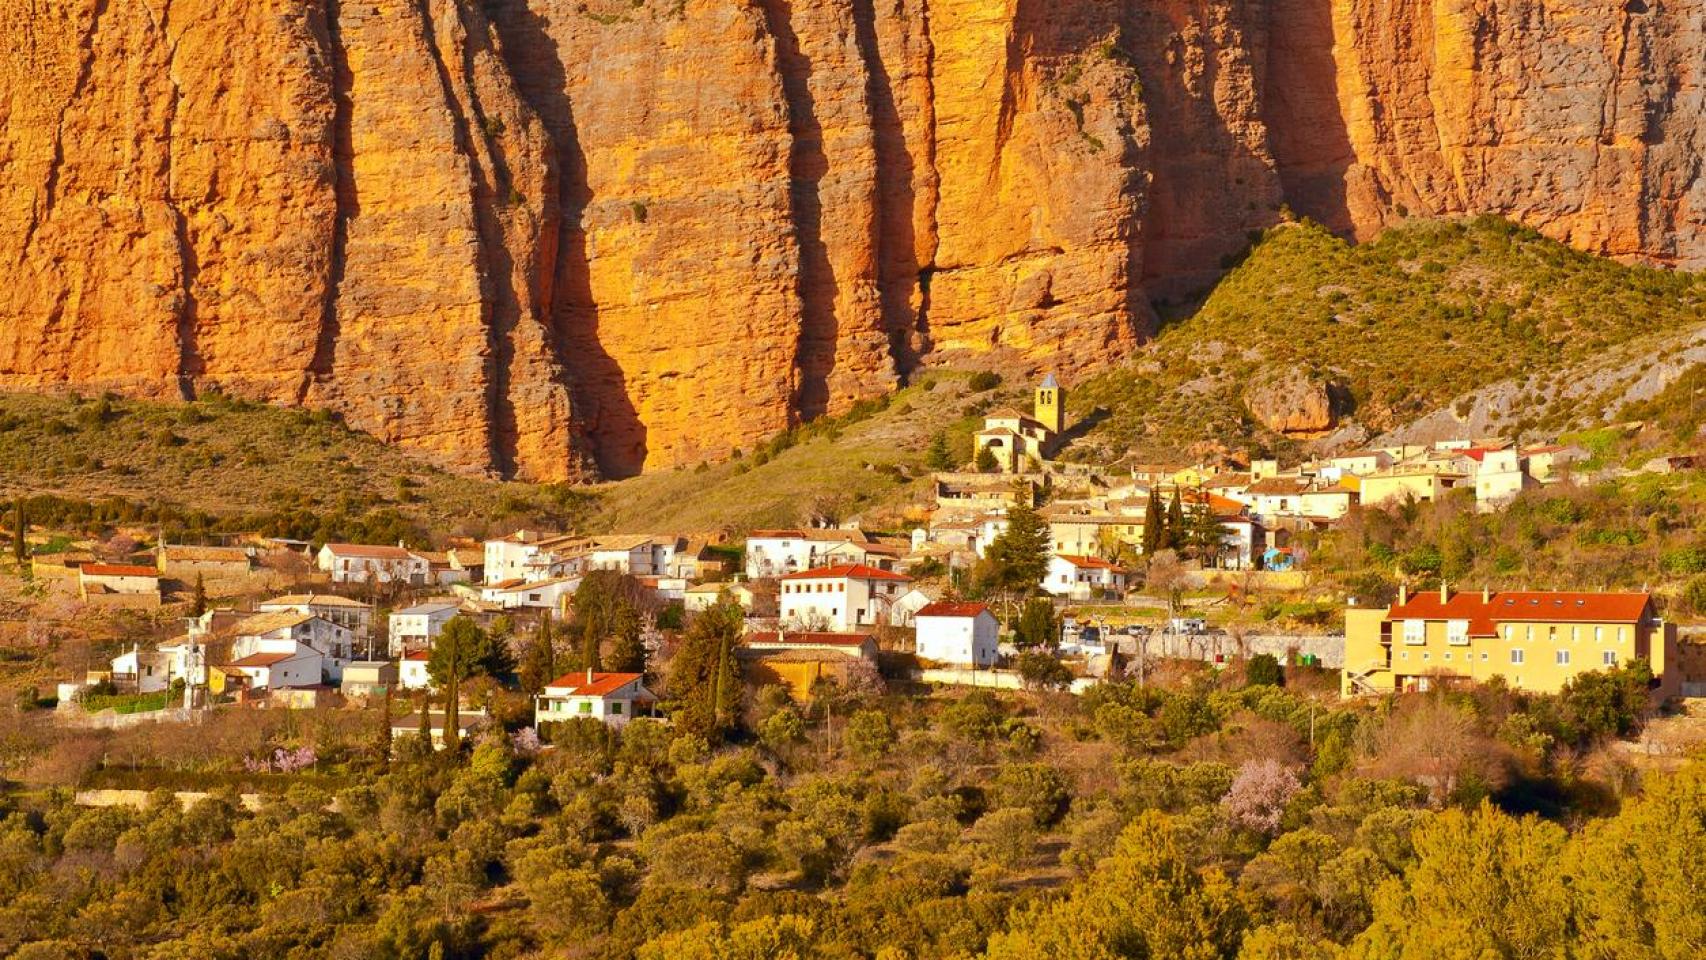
(1129, 567)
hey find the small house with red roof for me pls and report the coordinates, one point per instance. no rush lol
(126, 583)
(610, 698)
(1078, 577)
(842, 597)
(961, 634)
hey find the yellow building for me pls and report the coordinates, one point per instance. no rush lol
(1536, 641)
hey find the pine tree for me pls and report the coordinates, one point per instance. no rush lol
(463, 651)
(198, 603)
(540, 665)
(937, 456)
(986, 462)
(1018, 559)
(1154, 523)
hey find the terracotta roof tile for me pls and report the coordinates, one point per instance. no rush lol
(854, 571)
(947, 609)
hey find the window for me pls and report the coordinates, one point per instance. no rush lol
(1516, 656)
(1598, 634)
(1575, 634)
(585, 707)
(1609, 658)
(616, 708)
(1622, 635)
(1457, 632)
(1425, 655)
(1562, 657)
(1415, 631)
(1483, 655)
(1510, 632)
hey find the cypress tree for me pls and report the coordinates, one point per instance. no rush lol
(1154, 523)
(1174, 538)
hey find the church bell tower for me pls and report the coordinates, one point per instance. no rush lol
(1050, 407)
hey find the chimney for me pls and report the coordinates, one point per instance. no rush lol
(1403, 594)
(589, 675)
(1486, 595)
(1444, 591)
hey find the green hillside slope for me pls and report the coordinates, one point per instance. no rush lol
(1403, 324)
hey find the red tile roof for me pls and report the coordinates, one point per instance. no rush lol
(262, 659)
(602, 684)
(1089, 563)
(1519, 606)
(807, 639)
(370, 551)
(947, 609)
(854, 571)
(118, 570)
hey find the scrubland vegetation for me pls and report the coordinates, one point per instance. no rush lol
(1200, 816)
(1403, 324)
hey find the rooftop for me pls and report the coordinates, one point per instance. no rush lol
(585, 684)
(947, 609)
(773, 638)
(848, 571)
(311, 599)
(118, 570)
(1519, 606)
(368, 551)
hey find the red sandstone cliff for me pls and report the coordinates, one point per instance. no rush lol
(552, 237)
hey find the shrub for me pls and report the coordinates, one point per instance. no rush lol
(983, 380)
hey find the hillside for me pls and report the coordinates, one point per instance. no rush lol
(225, 465)
(1389, 331)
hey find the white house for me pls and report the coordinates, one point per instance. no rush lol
(704, 596)
(963, 634)
(611, 698)
(141, 671)
(530, 555)
(352, 615)
(412, 671)
(907, 605)
(841, 597)
(540, 594)
(777, 553)
(1080, 577)
(361, 563)
(299, 666)
(1502, 475)
(639, 555)
(416, 627)
(290, 633)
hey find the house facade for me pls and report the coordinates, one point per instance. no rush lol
(961, 634)
(123, 582)
(1078, 577)
(416, 627)
(352, 615)
(1019, 442)
(841, 597)
(368, 563)
(778, 553)
(1536, 641)
(538, 594)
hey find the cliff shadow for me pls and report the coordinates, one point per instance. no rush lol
(1307, 132)
(597, 384)
(807, 165)
(346, 201)
(898, 271)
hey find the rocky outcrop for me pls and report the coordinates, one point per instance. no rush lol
(1291, 402)
(561, 238)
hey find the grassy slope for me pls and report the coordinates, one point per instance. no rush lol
(858, 464)
(256, 465)
(1407, 322)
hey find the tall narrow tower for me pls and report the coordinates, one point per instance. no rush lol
(1050, 408)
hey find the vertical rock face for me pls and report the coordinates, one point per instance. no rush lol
(560, 238)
